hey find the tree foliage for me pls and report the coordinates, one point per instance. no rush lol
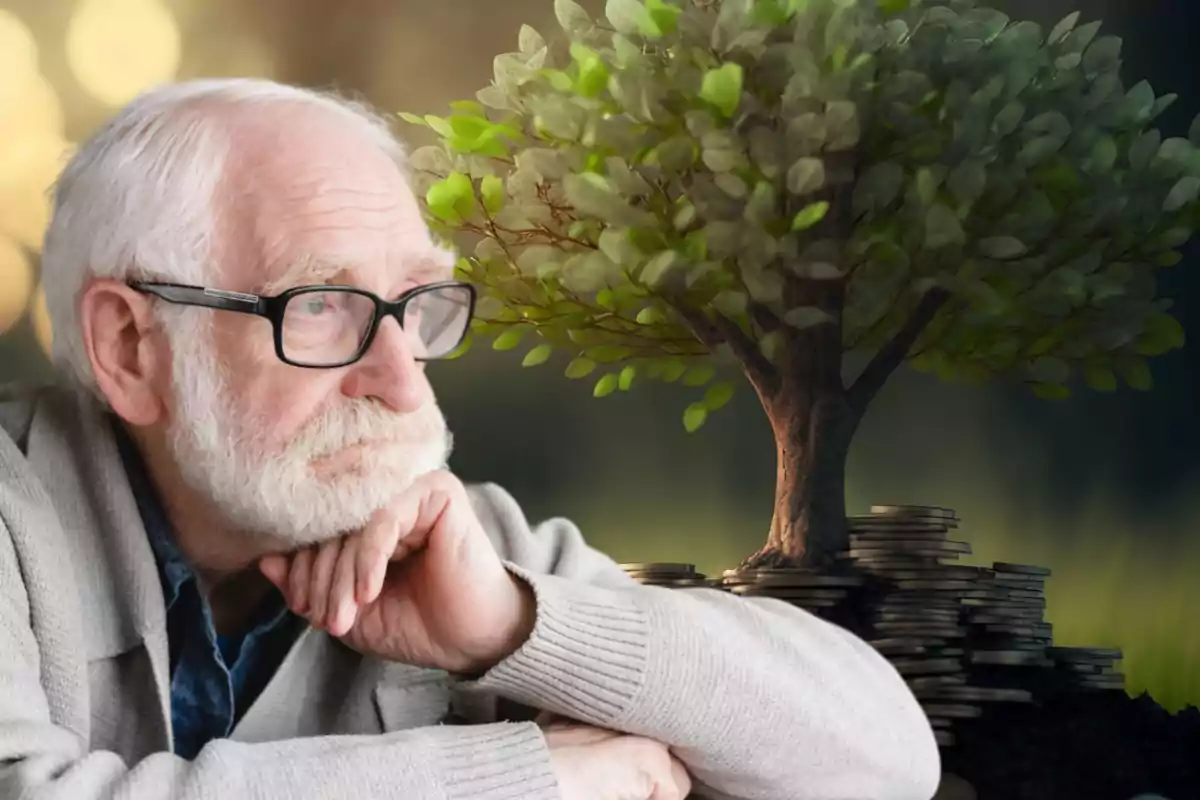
(675, 164)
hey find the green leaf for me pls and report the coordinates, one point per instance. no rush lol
(1001, 248)
(657, 267)
(529, 40)
(942, 227)
(580, 368)
(1136, 374)
(718, 395)
(414, 119)
(491, 189)
(810, 215)
(673, 370)
(699, 375)
(1169, 259)
(967, 182)
(1162, 334)
(538, 355)
(1065, 26)
(723, 87)
(1099, 378)
(625, 381)
(893, 6)
(650, 315)
(572, 18)
(1182, 193)
(631, 17)
(694, 417)
(509, 339)
(806, 176)
(593, 195)
(665, 15)
(593, 72)
(605, 386)
(1051, 391)
(451, 198)
(878, 187)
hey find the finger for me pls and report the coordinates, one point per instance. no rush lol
(298, 580)
(574, 735)
(343, 608)
(275, 569)
(683, 781)
(377, 545)
(322, 579)
(419, 508)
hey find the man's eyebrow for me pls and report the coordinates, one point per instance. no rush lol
(307, 269)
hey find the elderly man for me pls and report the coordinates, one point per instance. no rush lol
(233, 564)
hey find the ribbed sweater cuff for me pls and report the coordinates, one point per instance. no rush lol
(587, 656)
(493, 762)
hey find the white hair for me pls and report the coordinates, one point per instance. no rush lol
(139, 199)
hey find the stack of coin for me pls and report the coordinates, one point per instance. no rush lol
(1005, 612)
(1087, 668)
(809, 589)
(914, 614)
(670, 575)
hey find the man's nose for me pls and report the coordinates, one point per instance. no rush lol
(389, 370)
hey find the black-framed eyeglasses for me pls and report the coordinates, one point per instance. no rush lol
(323, 327)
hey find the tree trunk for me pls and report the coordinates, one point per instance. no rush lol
(812, 442)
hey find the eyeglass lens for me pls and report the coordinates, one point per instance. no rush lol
(323, 328)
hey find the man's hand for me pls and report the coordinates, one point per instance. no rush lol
(597, 764)
(421, 584)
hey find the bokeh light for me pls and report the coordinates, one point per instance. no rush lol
(16, 283)
(32, 106)
(41, 320)
(29, 165)
(18, 55)
(118, 48)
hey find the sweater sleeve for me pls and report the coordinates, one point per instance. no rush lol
(758, 698)
(42, 757)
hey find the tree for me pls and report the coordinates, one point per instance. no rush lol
(781, 183)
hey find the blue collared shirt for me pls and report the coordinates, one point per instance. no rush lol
(214, 679)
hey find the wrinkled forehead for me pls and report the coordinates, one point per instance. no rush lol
(319, 203)
(383, 272)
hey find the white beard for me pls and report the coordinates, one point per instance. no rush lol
(277, 492)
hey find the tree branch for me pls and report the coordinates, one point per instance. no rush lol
(722, 330)
(892, 354)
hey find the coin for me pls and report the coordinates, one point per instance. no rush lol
(1084, 653)
(1020, 569)
(1011, 658)
(926, 666)
(899, 510)
(660, 567)
(924, 681)
(952, 710)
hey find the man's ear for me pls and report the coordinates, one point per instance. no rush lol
(126, 348)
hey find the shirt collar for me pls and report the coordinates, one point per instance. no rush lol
(174, 570)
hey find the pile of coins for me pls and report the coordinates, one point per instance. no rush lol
(670, 575)
(960, 635)
(809, 589)
(914, 613)
(1089, 669)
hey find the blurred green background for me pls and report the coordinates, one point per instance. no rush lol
(1103, 489)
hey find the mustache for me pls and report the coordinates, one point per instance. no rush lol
(341, 427)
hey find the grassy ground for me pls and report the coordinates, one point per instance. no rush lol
(1106, 591)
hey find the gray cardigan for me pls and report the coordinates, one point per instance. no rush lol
(757, 698)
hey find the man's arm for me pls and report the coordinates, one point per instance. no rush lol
(757, 698)
(41, 759)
